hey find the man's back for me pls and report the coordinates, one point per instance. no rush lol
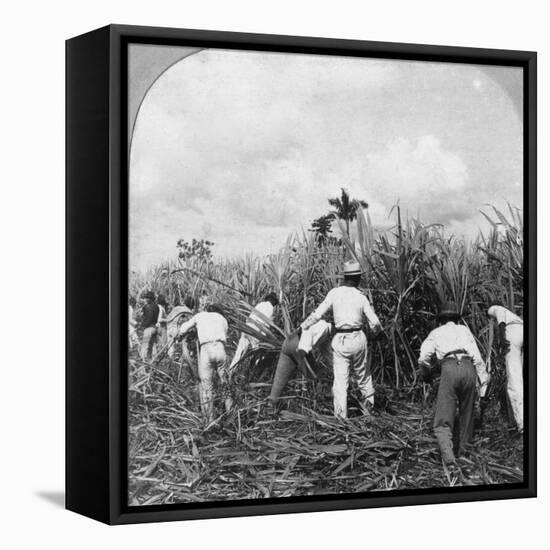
(211, 326)
(503, 315)
(265, 308)
(451, 337)
(349, 307)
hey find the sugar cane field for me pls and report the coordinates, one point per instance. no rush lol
(410, 269)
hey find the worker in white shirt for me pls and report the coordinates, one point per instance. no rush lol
(265, 308)
(511, 330)
(462, 370)
(133, 339)
(211, 327)
(349, 345)
(162, 332)
(296, 347)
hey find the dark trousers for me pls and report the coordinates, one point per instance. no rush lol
(286, 365)
(457, 388)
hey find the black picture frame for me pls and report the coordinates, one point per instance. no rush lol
(96, 271)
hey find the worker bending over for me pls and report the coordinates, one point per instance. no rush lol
(462, 369)
(295, 349)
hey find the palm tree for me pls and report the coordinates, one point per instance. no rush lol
(345, 207)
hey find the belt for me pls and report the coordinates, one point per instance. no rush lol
(456, 355)
(211, 342)
(347, 330)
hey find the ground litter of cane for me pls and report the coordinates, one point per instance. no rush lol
(253, 452)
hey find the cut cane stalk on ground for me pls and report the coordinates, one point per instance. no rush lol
(410, 270)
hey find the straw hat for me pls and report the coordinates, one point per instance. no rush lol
(352, 268)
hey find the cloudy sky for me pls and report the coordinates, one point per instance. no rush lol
(243, 148)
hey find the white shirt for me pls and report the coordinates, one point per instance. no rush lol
(503, 315)
(349, 307)
(452, 337)
(177, 312)
(211, 327)
(313, 335)
(266, 309)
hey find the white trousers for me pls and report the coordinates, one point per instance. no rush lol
(349, 350)
(514, 371)
(211, 360)
(245, 343)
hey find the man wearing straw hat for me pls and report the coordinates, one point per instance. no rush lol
(462, 369)
(350, 307)
(511, 331)
(212, 329)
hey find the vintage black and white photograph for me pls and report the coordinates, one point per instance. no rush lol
(326, 275)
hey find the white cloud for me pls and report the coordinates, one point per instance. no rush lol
(421, 175)
(244, 147)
